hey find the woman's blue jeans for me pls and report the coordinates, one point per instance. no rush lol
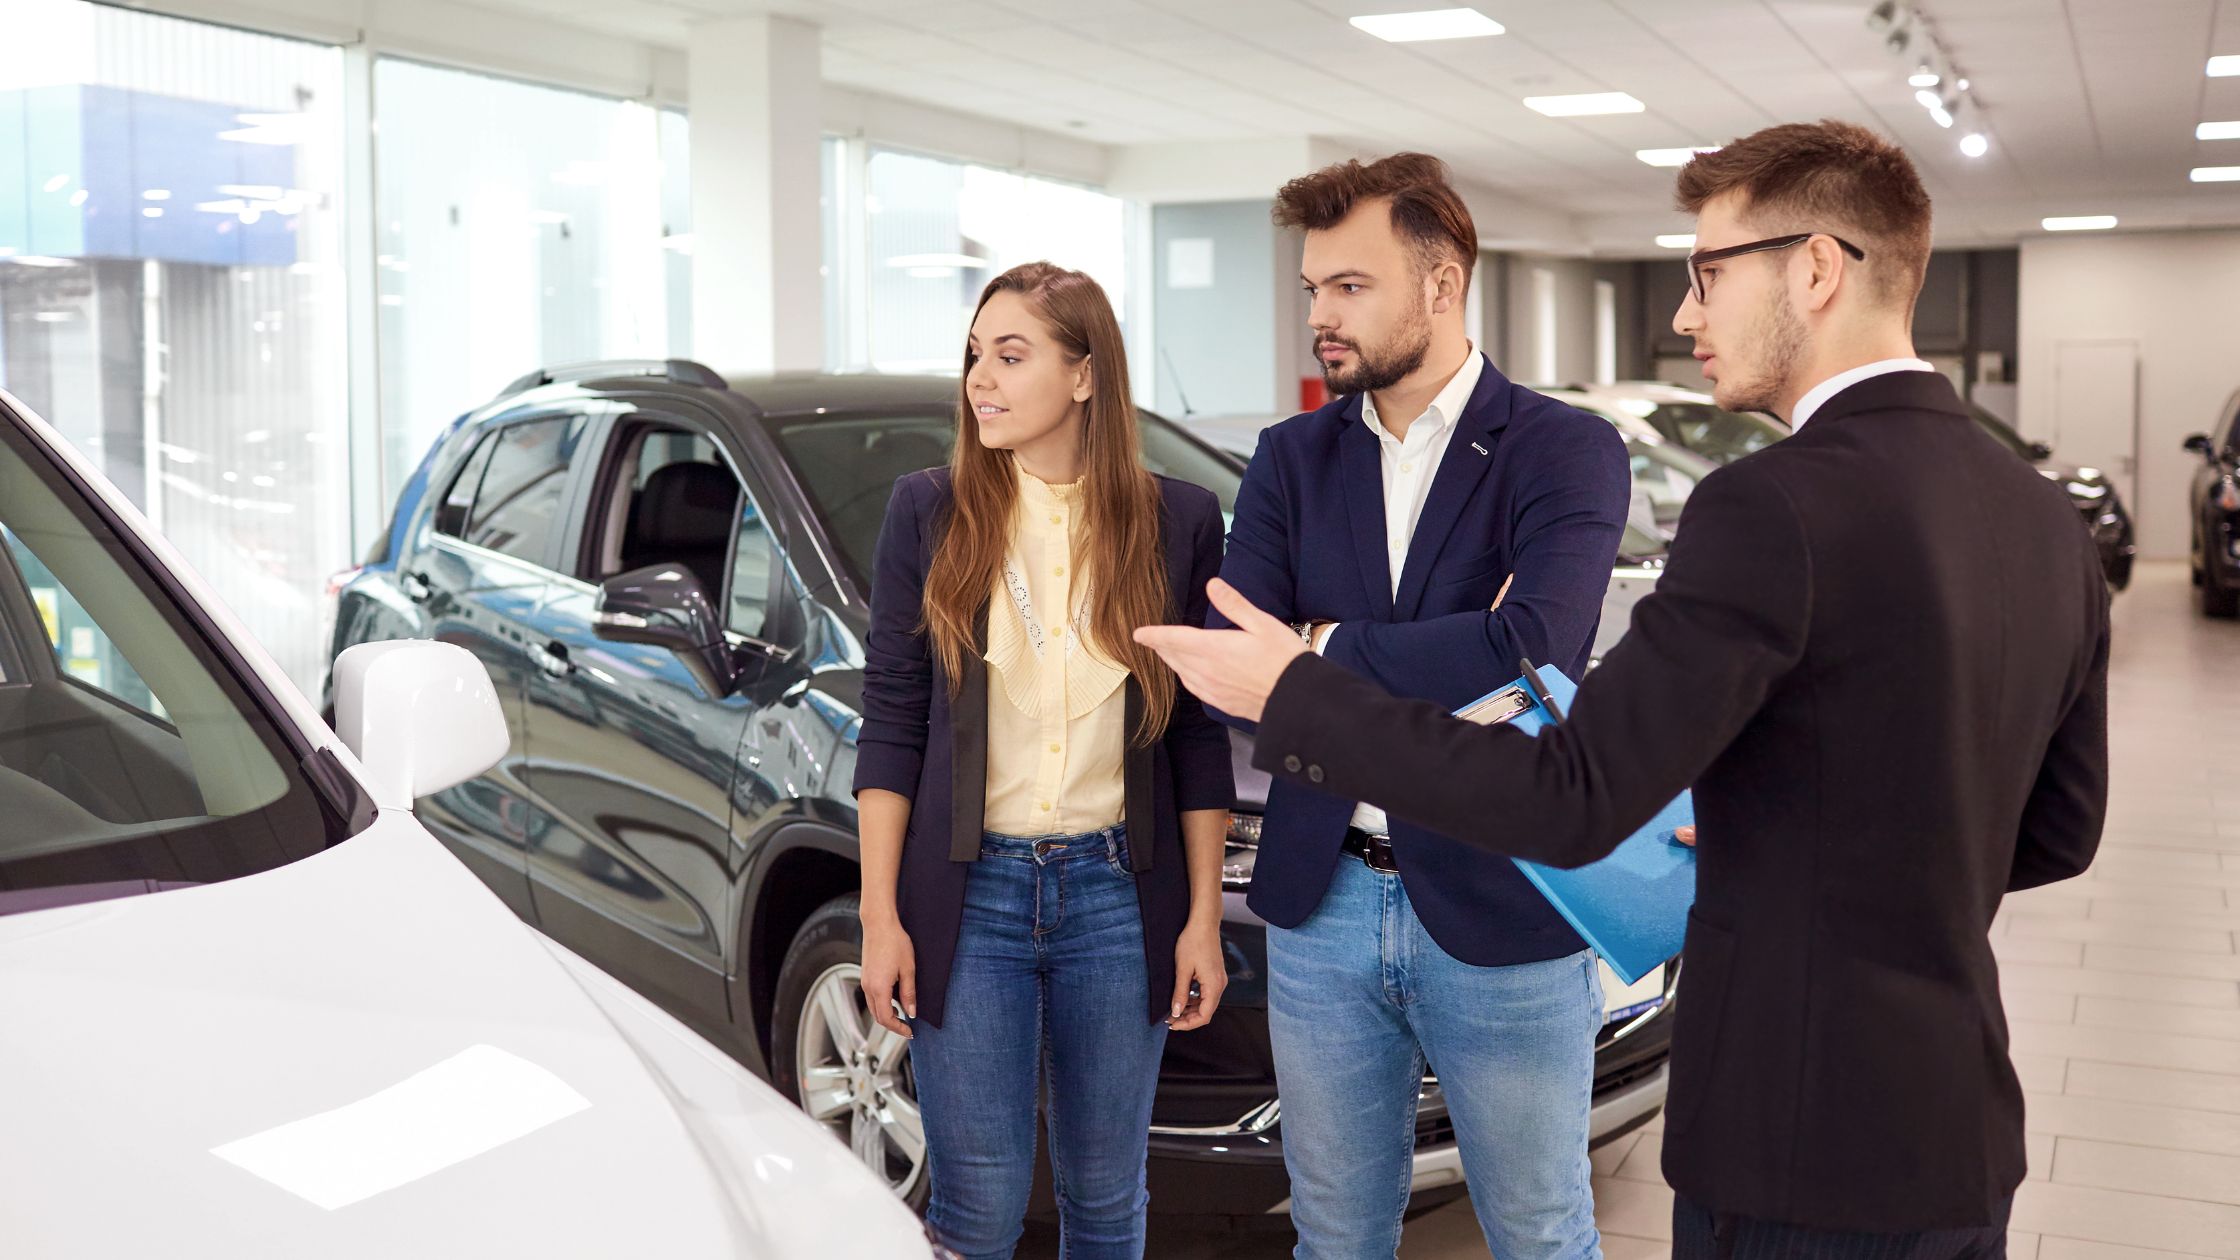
(1049, 982)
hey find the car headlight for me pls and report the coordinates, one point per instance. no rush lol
(1242, 849)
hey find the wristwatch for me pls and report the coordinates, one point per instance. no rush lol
(1305, 630)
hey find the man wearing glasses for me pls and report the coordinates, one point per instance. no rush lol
(1878, 653)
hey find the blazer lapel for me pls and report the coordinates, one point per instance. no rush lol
(1469, 457)
(1135, 784)
(1361, 470)
(968, 752)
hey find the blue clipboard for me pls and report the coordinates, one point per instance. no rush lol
(1632, 906)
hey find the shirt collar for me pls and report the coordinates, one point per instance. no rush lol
(1042, 494)
(1445, 409)
(1818, 396)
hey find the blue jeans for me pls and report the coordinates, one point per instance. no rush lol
(1360, 997)
(1049, 979)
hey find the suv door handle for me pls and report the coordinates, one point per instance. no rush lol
(415, 585)
(552, 658)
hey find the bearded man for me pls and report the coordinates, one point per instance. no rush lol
(1427, 528)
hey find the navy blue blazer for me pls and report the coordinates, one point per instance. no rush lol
(918, 741)
(1529, 487)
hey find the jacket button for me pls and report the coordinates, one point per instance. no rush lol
(1291, 765)
(1314, 774)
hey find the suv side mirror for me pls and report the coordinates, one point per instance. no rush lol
(420, 716)
(2199, 444)
(665, 606)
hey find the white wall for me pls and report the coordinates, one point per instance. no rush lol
(2178, 296)
(1529, 358)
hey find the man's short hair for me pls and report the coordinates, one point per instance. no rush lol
(1426, 210)
(1828, 176)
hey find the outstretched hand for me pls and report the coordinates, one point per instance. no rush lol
(1232, 670)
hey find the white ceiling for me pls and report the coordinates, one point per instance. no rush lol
(2090, 105)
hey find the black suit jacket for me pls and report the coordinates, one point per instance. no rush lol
(1879, 653)
(918, 741)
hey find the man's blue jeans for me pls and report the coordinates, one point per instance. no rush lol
(1049, 978)
(1360, 999)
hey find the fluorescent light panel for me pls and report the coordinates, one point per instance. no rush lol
(1584, 104)
(1673, 157)
(2079, 223)
(1411, 28)
(2224, 67)
(2217, 131)
(2216, 174)
(1679, 240)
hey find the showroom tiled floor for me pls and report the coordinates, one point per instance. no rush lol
(2122, 990)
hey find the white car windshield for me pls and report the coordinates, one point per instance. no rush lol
(131, 757)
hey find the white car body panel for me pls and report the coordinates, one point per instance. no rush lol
(343, 994)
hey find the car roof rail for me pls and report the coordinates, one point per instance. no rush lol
(682, 371)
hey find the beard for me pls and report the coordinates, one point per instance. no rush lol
(1382, 366)
(1780, 339)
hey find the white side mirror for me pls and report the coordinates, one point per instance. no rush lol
(421, 717)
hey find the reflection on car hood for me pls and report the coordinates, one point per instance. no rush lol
(367, 1054)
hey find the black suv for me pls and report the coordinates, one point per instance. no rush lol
(2213, 508)
(666, 573)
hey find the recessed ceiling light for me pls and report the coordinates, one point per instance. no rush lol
(2079, 223)
(1673, 157)
(2215, 174)
(2217, 131)
(1974, 144)
(1410, 28)
(1939, 116)
(1584, 104)
(1678, 240)
(2224, 67)
(1925, 77)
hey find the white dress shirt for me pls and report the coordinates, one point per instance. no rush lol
(1408, 466)
(1818, 396)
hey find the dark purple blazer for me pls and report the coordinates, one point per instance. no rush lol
(1528, 487)
(920, 742)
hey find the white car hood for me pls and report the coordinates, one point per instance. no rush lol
(366, 1054)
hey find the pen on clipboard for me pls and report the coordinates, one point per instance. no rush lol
(1540, 689)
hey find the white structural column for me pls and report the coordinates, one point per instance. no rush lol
(757, 294)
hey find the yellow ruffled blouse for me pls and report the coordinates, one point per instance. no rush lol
(1056, 706)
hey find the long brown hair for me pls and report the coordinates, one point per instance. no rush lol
(1119, 550)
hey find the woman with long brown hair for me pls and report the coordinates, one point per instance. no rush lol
(1041, 805)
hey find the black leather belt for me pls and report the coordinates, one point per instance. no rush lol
(1375, 851)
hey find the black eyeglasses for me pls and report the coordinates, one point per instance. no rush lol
(1700, 257)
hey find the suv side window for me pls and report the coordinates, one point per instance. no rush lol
(682, 504)
(514, 507)
(451, 514)
(754, 564)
